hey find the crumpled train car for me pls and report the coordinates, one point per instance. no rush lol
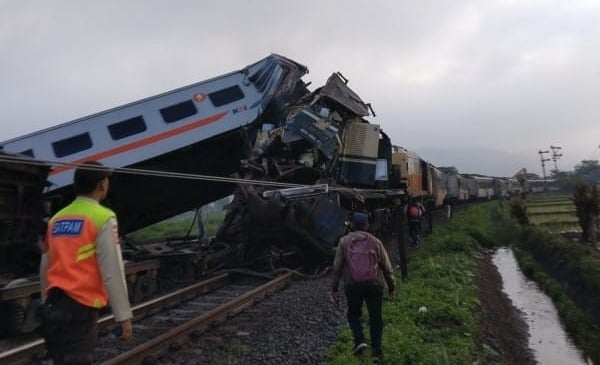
(323, 140)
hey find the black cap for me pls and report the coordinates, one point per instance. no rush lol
(360, 220)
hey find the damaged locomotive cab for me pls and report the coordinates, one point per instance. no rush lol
(341, 161)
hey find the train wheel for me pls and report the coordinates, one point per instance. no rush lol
(145, 286)
(18, 315)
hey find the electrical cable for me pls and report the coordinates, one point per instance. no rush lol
(179, 175)
(155, 173)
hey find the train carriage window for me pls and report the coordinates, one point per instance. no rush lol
(261, 81)
(71, 145)
(28, 152)
(127, 128)
(226, 96)
(268, 78)
(258, 78)
(178, 111)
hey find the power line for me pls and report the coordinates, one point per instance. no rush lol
(543, 161)
(176, 175)
(155, 173)
(555, 155)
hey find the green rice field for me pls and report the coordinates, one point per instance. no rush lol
(553, 212)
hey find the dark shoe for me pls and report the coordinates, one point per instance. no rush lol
(358, 349)
(377, 357)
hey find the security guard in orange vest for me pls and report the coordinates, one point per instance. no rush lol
(81, 269)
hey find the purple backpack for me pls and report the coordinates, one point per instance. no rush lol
(361, 257)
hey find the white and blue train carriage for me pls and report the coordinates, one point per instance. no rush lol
(194, 129)
(154, 126)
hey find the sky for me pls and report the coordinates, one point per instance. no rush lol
(480, 85)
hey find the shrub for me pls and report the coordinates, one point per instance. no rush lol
(518, 210)
(587, 202)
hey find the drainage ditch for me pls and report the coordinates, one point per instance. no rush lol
(547, 338)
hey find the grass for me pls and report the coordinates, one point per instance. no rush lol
(566, 271)
(555, 208)
(178, 226)
(558, 227)
(550, 198)
(554, 213)
(543, 204)
(568, 218)
(435, 318)
(575, 273)
(431, 322)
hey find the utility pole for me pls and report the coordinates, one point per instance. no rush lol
(556, 155)
(544, 160)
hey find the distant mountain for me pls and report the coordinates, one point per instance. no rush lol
(478, 160)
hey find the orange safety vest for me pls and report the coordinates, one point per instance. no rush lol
(71, 248)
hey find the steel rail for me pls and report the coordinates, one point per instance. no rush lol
(26, 353)
(178, 335)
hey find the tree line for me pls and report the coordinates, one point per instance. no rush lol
(583, 182)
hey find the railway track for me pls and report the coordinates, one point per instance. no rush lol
(165, 323)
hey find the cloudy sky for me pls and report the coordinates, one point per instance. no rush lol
(482, 85)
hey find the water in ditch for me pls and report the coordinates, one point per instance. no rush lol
(548, 339)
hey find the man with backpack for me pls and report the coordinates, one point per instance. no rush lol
(364, 265)
(414, 211)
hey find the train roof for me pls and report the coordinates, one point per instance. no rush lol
(140, 101)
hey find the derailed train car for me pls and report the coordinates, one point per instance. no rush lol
(164, 142)
(232, 134)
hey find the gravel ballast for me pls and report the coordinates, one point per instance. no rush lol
(295, 326)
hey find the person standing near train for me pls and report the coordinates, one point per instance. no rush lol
(81, 269)
(415, 211)
(363, 263)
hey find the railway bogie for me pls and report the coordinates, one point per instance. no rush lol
(21, 229)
